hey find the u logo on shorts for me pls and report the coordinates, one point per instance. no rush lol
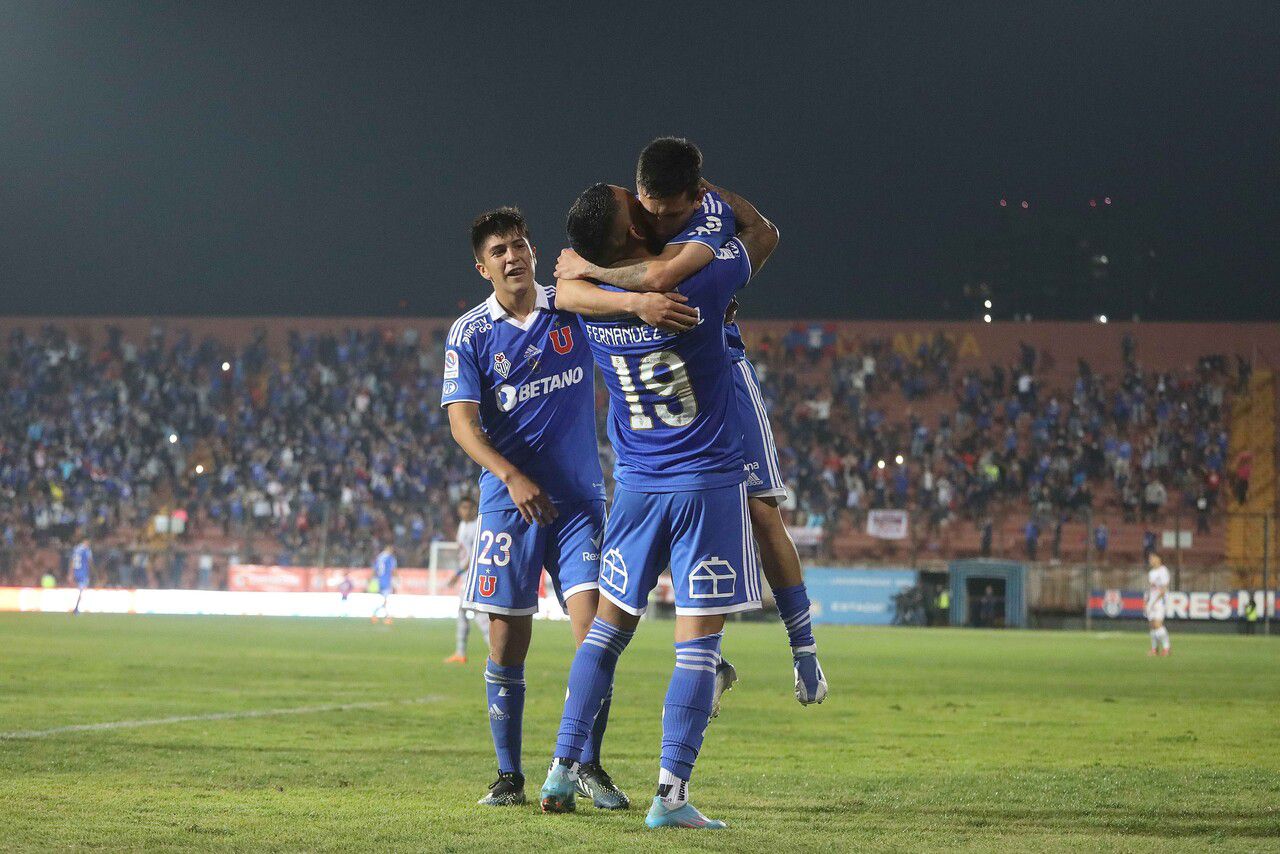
(488, 585)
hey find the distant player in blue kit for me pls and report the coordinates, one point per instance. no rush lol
(519, 389)
(694, 220)
(384, 568)
(681, 496)
(81, 567)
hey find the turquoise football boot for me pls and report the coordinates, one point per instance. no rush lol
(558, 793)
(685, 816)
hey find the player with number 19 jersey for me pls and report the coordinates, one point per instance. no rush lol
(533, 383)
(674, 424)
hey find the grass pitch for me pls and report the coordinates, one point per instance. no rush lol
(341, 735)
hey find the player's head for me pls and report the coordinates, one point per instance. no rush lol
(466, 510)
(602, 226)
(669, 183)
(1153, 560)
(500, 243)
(389, 549)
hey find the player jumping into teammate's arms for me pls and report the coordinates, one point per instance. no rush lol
(694, 220)
(468, 532)
(519, 389)
(1156, 603)
(681, 496)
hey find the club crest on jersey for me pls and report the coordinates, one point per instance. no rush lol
(502, 364)
(488, 585)
(561, 339)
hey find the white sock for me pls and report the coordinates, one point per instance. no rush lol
(673, 790)
(1155, 638)
(1163, 635)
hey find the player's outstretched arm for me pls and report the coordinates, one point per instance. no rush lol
(758, 234)
(657, 275)
(667, 312)
(468, 432)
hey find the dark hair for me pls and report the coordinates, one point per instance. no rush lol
(497, 222)
(669, 166)
(590, 224)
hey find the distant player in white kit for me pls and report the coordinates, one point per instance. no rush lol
(468, 532)
(1157, 599)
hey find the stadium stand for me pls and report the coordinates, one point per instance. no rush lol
(310, 441)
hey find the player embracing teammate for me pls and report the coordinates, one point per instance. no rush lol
(695, 220)
(682, 488)
(680, 393)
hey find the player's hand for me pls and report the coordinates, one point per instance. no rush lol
(571, 265)
(531, 501)
(731, 313)
(667, 312)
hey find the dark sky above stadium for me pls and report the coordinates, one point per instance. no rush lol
(273, 158)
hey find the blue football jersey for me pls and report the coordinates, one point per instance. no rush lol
(713, 226)
(673, 413)
(536, 393)
(383, 566)
(81, 560)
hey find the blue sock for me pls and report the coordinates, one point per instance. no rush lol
(793, 608)
(688, 707)
(504, 687)
(590, 680)
(591, 751)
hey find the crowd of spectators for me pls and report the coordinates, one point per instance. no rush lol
(338, 443)
(862, 425)
(335, 444)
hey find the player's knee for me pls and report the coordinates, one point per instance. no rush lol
(693, 626)
(615, 616)
(509, 638)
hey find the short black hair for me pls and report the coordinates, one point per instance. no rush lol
(669, 166)
(590, 224)
(499, 221)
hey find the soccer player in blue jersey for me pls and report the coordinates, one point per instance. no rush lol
(519, 389)
(681, 496)
(81, 566)
(691, 220)
(384, 568)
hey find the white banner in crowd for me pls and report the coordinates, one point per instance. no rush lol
(887, 524)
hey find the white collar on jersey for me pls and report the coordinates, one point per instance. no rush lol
(541, 301)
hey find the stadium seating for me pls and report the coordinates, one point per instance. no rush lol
(313, 441)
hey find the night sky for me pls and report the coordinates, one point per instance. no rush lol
(268, 158)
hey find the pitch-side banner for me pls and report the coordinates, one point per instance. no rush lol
(888, 524)
(856, 596)
(239, 603)
(1193, 605)
(301, 579)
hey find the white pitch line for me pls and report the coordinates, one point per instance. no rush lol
(212, 716)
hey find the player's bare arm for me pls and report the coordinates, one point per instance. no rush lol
(758, 234)
(661, 275)
(469, 433)
(667, 312)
